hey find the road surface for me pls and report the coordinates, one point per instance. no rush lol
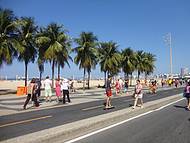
(168, 125)
(24, 123)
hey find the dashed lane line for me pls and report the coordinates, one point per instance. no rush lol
(94, 107)
(24, 121)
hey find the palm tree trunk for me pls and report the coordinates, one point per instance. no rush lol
(138, 75)
(84, 79)
(131, 79)
(26, 71)
(105, 79)
(40, 76)
(58, 71)
(127, 75)
(146, 75)
(53, 64)
(89, 80)
(39, 94)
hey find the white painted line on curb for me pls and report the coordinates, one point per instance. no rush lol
(122, 122)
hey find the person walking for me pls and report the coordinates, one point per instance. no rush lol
(48, 86)
(126, 86)
(117, 87)
(108, 93)
(187, 94)
(72, 88)
(154, 87)
(176, 83)
(58, 89)
(65, 89)
(162, 82)
(138, 94)
(31, 90)
(38, 89)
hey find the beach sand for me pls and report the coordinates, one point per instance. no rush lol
(13, 84)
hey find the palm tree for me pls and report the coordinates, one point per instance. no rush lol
(25, 42)
(86, 52)
(7, 30)
(94, 60)
(140, 62)
(128, 60)
(110, 58)
(149, 64)
(53, 37)
(63, 56)
(40, 63)
(41, 48)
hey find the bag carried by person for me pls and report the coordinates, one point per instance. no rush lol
(134, 95)
(186, 92)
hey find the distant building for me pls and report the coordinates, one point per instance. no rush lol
(184, 71)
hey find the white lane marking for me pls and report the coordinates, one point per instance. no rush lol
(94, 107)
(166, 91)
(122, 122)
(168, 105)
(24, 121)
(128, 100)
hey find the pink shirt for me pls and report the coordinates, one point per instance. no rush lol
(138, 88)
(187, 89)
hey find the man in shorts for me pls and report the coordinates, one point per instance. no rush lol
(108, 93)
(47, 87)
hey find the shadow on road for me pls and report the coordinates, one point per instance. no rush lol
(177, 106)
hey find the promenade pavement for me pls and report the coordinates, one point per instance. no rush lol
(12, 104)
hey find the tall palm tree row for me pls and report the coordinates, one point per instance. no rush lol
(56, 45)
(23, 39)
(140, 62)
(109, 58)
(149, 64)
(128, 62)
(41, 48)
(25, 42)
(86, 53)
(7, 28)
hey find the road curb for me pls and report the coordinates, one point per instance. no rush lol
(68, 131)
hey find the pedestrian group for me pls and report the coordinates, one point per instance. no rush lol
(62, 90)
(34, 91)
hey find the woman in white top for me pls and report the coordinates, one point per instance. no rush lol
(138, 94)
(65, 89)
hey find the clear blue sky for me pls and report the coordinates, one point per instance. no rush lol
(139, 24)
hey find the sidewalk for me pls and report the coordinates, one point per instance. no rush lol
(12, 104)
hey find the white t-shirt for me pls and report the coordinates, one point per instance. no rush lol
(64, 86)
(47, 84)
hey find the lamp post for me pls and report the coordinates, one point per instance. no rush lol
(168, 40)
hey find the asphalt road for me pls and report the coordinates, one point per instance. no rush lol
(168, 125)
(24, 123)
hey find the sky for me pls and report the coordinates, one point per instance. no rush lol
(139, 24)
